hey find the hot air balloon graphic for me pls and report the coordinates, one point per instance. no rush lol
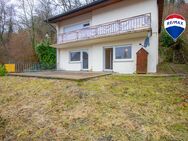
(175, 25)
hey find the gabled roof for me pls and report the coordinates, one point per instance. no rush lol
(142, 50)
(95, 5)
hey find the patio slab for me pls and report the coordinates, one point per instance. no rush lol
(68, 75)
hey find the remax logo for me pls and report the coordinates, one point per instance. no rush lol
(175, 25)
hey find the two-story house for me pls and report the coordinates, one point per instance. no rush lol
(109, 35)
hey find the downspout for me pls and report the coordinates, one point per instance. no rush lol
(57, 50)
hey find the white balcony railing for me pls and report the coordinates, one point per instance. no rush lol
(113, 28)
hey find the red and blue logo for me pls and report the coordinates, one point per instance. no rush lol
(175, 25)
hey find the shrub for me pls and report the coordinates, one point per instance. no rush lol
(46, 55)
(2, 70)
(172, 51)
(165, 39)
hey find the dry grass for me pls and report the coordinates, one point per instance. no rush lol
(170, 68)
(112, 108)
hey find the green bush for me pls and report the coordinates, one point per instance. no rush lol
(165, 39)
(46, 55)
(165, 51)
(2, 70)
(172, 51)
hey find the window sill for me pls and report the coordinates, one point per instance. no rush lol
(124, 60)
(74, 62)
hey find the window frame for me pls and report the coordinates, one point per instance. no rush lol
(123, 59)
(70, 56)
(75, 24)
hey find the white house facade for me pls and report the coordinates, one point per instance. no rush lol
(109, 35)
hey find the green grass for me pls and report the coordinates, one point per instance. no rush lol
(112, 108)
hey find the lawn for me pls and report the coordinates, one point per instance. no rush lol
(111, 108)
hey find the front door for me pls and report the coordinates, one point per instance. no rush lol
(108, 58)
(85, 60)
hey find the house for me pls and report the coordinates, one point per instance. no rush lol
(108, 35)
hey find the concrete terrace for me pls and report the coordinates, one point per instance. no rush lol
(67, 75)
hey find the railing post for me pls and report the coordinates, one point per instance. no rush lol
(58, 35)
(61, 37)
(119, 26)
(150, 19)
(95, 32)
(77, 35)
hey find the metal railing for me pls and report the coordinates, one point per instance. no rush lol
(116, 27)
(26, 67)
(31, 67)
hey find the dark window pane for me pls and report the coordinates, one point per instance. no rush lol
(86, 24)
(85, 60)
(75, 56)
(123, 52)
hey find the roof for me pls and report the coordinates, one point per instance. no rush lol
(142, 49)
(95, 5)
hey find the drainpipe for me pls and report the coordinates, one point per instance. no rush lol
(57, 50)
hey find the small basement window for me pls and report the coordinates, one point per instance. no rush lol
(75, 56)
(123, 52)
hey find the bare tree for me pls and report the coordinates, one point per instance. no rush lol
(6, 21)
(6, 27)
(66, 5)
(173, 6)
(27, 18)
(44, 10)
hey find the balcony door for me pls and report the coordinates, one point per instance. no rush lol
(85, 60)
(108, 59)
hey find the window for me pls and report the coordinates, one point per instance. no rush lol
(72, 28)
(86, 24)
(76, 27)
(75, 56)
(123, 52)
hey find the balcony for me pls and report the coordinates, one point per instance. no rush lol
(133, 24)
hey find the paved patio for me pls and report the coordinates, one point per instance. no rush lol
(68, 75)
